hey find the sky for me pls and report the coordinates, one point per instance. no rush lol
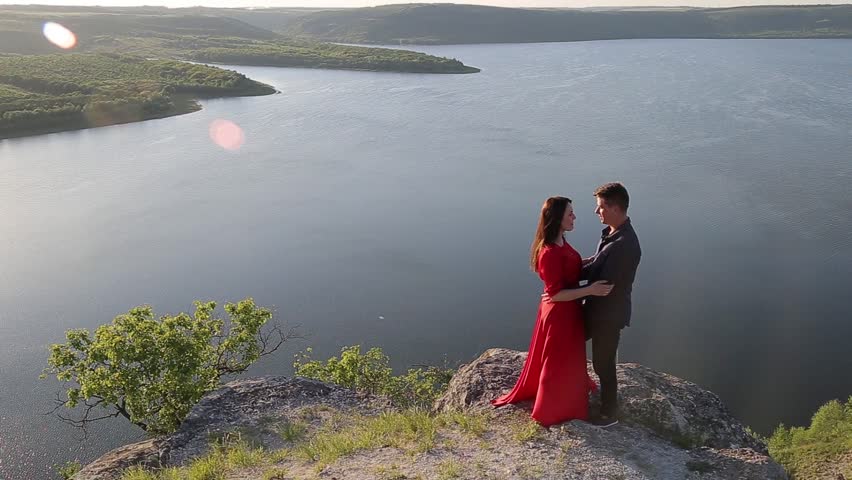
(367, 3)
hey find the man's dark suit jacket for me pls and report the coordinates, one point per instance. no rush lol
(616, 261)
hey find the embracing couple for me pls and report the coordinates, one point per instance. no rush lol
(554, 375)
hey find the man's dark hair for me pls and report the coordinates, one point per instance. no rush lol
(614, 194)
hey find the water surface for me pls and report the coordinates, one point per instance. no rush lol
(396, 210)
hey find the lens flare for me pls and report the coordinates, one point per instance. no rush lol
(59, 35)
(227, 134)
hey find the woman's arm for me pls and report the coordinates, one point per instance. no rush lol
(601, 288)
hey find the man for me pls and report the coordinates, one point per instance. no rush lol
(616, 261)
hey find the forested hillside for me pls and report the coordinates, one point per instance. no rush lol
(206, 35)
(455, 24)
(42, 93)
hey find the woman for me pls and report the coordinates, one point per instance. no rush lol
(554, 374)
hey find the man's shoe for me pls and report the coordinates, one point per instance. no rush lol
(604, 421)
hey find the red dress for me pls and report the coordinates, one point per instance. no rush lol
(554, 374)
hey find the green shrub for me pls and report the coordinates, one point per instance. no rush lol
(371, 372)
(806, 452)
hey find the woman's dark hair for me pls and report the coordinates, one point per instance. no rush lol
(549, 227)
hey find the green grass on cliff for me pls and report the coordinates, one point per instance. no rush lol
(341, 435)
(821, 451)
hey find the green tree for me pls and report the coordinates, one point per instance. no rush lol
(153, 370)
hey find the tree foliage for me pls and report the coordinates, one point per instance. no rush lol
(812, 452)
(371, 372)
(153, 370)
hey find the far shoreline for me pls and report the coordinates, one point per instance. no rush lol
(406, 46)
(188, 103)
(187, 106)
(184, 105)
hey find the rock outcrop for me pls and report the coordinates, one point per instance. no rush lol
(677, 410)
(145, 453)
(253, 407)
(670, 429)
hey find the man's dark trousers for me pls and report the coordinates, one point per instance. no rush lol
(605, 340)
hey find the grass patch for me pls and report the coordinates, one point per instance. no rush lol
(531, 472)
(313, 412)
(211, 467)
(814, 451)
(293, 431)
(279, 456)
(475, 424)
(413, 430)
(526, 430)
(138, 473)
(449, 469)
(69, 469)
(173, 473)
(229, 454)
(450, 444)
(274, 474)
(242, 455)
(567, 445)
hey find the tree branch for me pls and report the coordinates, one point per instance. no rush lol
(87, 417)
(269, 343)
(276, 331)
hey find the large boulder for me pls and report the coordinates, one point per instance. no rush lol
(145, 453)
(680, 410)
(492, 374)
(253, 408)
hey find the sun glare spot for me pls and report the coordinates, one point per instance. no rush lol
(59, 35)
(227, 134)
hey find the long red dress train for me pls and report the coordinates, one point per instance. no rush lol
(554, 373)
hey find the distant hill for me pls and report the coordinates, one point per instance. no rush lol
(273, 19)
(460, 24)
(203, 35)
(88, 22)
(432, 23)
